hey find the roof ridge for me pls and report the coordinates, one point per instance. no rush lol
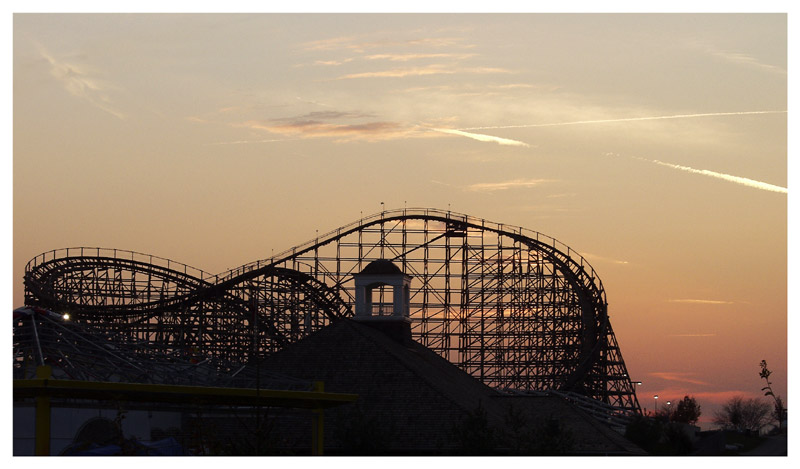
(418, 349)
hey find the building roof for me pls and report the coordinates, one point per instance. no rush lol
(381, 267)
(413, 400)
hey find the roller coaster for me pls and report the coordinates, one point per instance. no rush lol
(514, 308)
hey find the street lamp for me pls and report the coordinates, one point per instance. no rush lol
(656, 404)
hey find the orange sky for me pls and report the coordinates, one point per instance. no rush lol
(654, 145)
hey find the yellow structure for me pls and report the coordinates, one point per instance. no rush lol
(42, 388)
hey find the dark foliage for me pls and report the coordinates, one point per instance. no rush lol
(362, 434)
(743, 414)
(524, 437)
(779, 409)
(687, 411)
(659, 437)
(474, 436)
(550, 438)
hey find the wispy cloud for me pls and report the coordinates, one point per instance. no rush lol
(342, 125)
(411, 56)
(244, 142)
(78, 82)
(358, 44)
(333, 62)
(727, 177)
(627, 119)
(736, 57)
(433, 69)
(329, 115)
(721, 397)
(748, 60)
(484, 138)
(701, 302)
(370, 131)
(679, 377)
(505, 185)
(594, 257)
(544, 208)
(692, 335)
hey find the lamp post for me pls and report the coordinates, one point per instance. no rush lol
(655, 398)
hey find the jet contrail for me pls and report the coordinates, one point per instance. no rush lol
(738, 180)
(483, 138)
(629, 119)
(704, 302)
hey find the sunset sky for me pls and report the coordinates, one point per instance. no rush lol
(655, 145)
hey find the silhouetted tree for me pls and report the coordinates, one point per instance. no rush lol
(645, 432)
(779, 409)
(687, 411)
(526, 436)
(658, 436)
(551, 438)
(740, 413)
(360, 433)
(474, 435)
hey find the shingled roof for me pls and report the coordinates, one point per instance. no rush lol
(412, 401)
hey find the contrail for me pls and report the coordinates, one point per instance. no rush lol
(736, 179)
(483, 138)
(240, 142)
(629, 119)
(702, 302)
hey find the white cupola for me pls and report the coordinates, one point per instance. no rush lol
(382, 292)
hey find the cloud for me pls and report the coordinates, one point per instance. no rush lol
(242, 142)
(433, 69)
(369, 131)
(328, 44)
(692, 335)
(483, 138)
(359, 45)
(727, 177)
(628, 119)
(501, 186)
(332, 62)
(542, 208)
(79, 83)
(721, 397)
(316, 103)
(330, 115)
(412, 56)
(342, 125)
(594, 257)
(702, 302)
(738, 58)
(685, 377)
(404, 72)
(749, 60)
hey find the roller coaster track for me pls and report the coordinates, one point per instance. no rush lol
(526, 311)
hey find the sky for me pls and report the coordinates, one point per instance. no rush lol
(653, 144)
